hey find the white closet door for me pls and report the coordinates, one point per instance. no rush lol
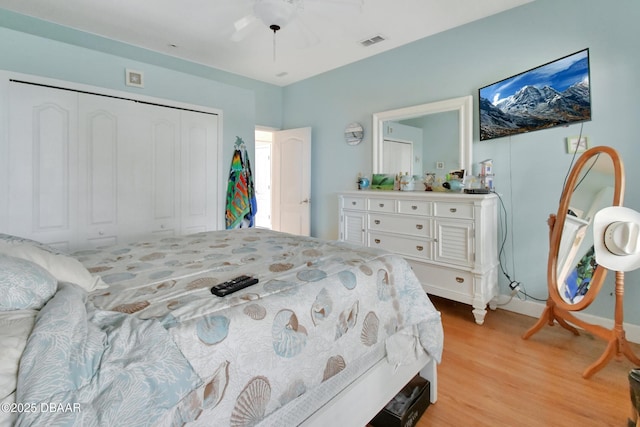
(132, 175)
(43, 165)
(88, 170)
(99, 128)
(165, 170)
(199, 207)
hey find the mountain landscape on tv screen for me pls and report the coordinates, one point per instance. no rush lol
(533, 108)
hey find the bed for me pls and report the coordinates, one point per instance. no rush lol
(131, 334)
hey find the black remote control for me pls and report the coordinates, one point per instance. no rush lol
(233, 285)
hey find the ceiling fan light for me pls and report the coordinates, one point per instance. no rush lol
(276, 12)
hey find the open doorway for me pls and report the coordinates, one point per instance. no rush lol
(263, 178)
(283, 180)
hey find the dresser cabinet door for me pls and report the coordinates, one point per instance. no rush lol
(354, 227)
(454, 242)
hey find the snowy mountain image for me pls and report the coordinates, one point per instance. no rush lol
(551, 95)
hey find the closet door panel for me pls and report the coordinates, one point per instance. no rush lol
(43, 170)
(101, 128)
(199, 172)
(98, 166)
(165, 134)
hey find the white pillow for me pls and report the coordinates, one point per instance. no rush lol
(9, 239)
(24, 284)
(61, 266)
(15, 327)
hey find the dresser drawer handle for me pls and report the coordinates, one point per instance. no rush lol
(453, 210)
(353, 203)
(377, 240)
(377, 221)
(414, 207)
(459, 280)
(420, 248)
(419, 226)
(381, 205)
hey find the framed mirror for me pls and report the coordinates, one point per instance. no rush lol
(415, 139)
(595, 182)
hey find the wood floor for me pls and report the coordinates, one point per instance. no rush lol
(490, 376)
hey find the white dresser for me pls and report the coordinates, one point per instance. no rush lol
(450, 239)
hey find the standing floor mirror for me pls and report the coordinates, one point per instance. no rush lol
(574, 278)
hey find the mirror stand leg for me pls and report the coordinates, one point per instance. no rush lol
(550, 315)
(618, 344)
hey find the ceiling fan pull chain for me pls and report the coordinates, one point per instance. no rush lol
(275, 28)
(274, 46)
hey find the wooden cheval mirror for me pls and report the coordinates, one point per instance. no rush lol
(573, 277)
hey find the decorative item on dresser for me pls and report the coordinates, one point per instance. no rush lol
(449, 239)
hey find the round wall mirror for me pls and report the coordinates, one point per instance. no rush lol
(595, 182)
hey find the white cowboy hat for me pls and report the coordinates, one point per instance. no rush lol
(616, 238)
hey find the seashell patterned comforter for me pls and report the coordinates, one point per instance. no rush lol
(319, 307)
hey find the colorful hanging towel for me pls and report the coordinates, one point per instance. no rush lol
(241, 202)
(253, 202)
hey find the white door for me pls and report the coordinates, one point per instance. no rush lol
(292, 181)
(398, 156)
(42, 164)
(200, 165)
(262, 180)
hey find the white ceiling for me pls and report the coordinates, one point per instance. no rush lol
(324, 35)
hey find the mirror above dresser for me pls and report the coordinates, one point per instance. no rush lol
(414, 139)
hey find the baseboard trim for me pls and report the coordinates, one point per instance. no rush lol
(535, 309)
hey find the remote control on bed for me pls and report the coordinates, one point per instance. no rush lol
(233, 285)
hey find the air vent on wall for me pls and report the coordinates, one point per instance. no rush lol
(372, 40)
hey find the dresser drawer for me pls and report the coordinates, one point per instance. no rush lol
(400, 224)
(447, 282)
(382, 205)
(354, 203)
(453, 210)
(414, 207)
(416, 248)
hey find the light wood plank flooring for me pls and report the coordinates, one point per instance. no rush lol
(490, 376)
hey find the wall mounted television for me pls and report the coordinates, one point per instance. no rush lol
(554, 94)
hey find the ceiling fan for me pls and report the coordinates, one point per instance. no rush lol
(277, 14)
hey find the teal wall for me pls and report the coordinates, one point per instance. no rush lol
(529, 168)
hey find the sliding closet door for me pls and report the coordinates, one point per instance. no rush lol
(43, 164)
(100, 130)
(130, 169)
(89, 170)
(164, 128)
(199, 179)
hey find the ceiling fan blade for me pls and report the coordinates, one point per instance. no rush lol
(243, 27)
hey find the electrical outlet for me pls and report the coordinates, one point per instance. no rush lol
(515, 287)
(439, 165)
